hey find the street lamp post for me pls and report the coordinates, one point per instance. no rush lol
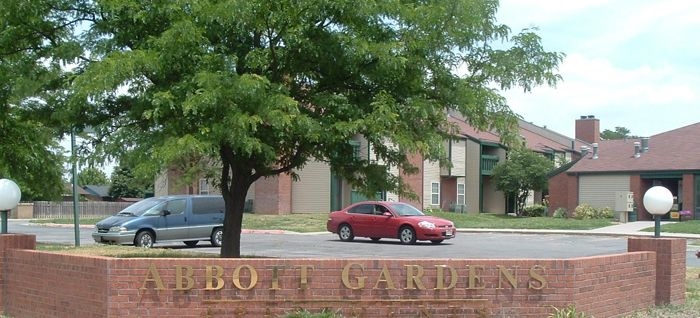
(9, 197)
(658, 201)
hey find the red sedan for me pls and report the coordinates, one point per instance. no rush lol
(380, 219)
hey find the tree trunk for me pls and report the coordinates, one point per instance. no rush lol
(233, 221)
(236, 179)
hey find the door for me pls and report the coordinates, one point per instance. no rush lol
(207, 213)
(173, 221)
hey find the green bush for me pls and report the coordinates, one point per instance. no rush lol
(585, 212)
(560, 213)
(534, 210)
(605, 213)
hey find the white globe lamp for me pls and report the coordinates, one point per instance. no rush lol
(9, 198)
(658, 201)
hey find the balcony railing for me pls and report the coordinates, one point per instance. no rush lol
(488, 162)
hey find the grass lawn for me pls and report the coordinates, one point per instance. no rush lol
(316, 222)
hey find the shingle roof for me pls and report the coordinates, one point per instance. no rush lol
(469, 131)
(536, 138)
(675, 150)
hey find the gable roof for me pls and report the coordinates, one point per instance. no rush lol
(541, 139)
(536, 138)
(469, 131)
(675, 150)
(98, 190)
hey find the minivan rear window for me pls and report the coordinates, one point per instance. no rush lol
(208, 205)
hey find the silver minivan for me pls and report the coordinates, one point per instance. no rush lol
(187, 218)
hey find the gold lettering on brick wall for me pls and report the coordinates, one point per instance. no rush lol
(246, 277)
(475, 278)
(210, 276)
(509, 276)
(187, 276)
(440, 277)
(360, 280)
(385, 277)
(304, 276)
(412, 277)
(237, 277)
(537, 280)
(152, 275)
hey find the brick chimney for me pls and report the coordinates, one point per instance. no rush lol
(588, 129)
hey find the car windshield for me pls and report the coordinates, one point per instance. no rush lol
(141, 207)
(404, 209)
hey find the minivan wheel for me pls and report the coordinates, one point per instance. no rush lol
(191, 243)
(144, 239)
(217, 237)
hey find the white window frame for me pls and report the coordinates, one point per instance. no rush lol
(204, 186)
(435, 193)
(461, 193)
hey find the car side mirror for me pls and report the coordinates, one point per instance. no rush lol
(164, 212)
(387, 214)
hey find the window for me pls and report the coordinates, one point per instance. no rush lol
(208, 205)
(435, 193)
(460, 193)
(203, 186)
(362, 209)
(355, 148)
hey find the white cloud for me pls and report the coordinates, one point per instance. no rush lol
(629, 63)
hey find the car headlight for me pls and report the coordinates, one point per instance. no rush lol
(117, 229)
(426, 225)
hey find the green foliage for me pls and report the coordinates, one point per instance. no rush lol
(618, 133)
(560, 213)
(585, 211)
(126, 185)
(92, 176)
(523, 171)
(534, 210)
(259, 88)
(567, 312)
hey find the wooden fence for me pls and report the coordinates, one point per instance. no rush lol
(86, 209)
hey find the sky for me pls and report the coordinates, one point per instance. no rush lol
(630, 63)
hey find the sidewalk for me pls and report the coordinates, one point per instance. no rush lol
(622, 229)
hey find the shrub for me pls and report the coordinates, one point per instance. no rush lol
(534, 210)
(560, 213)
(584, 212)
(605, 213)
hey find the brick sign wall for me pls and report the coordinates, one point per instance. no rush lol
(42, 284)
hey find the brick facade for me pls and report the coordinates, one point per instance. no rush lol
(44, 284)
(563, 192)
(273, 195)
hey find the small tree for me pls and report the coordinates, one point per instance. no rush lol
(125, 185)
(525, 170)
(619, 133)
(92, 175)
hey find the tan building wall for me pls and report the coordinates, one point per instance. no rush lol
(473, 175)
(312, 192)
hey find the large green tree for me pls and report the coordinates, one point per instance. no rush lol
(263, 87)
(523, 171)
(35, 43)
